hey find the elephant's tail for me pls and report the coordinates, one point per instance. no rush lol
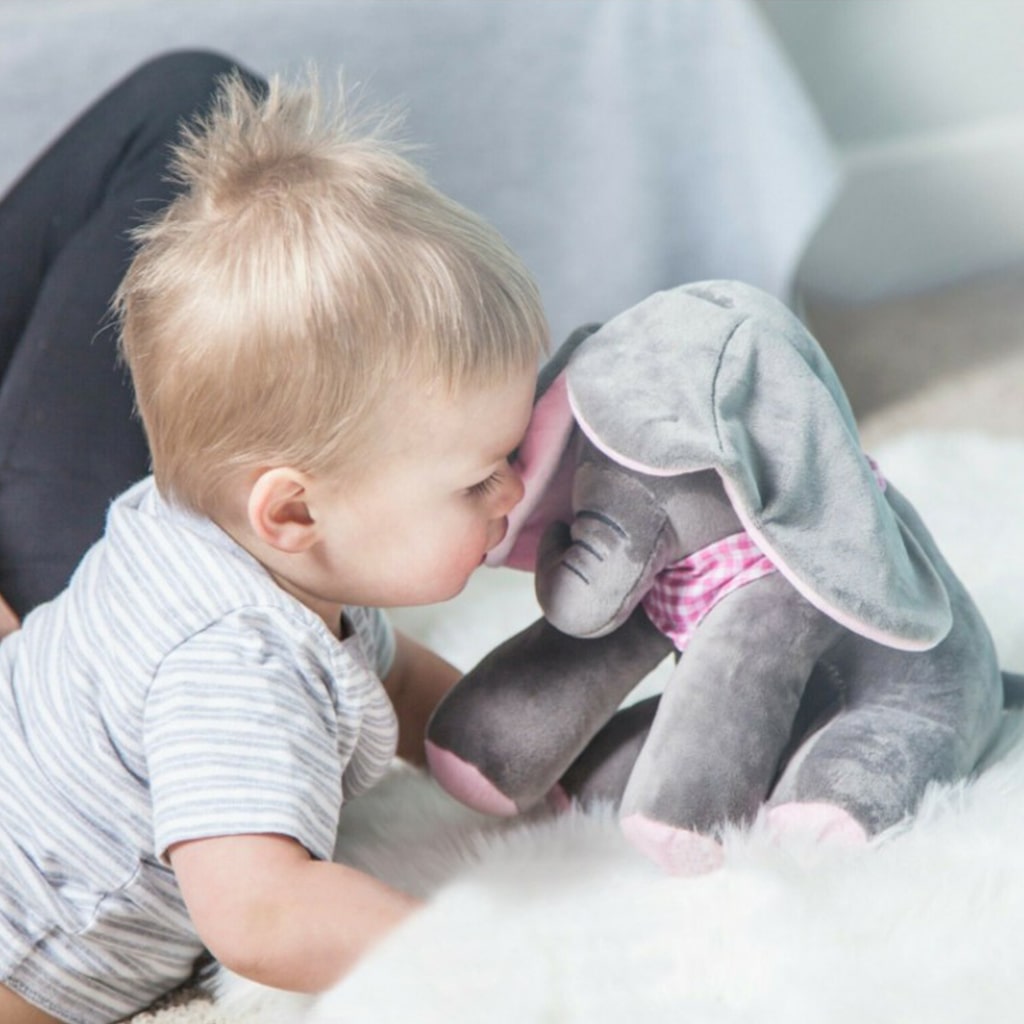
(1013, 689)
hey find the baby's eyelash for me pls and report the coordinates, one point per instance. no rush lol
(486, 486)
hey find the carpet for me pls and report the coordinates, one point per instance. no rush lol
(557, 920)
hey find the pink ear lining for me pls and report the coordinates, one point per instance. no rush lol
(539, 461)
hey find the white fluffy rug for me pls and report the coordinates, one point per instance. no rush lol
(558, 922)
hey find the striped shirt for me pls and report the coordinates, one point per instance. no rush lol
(172, 692)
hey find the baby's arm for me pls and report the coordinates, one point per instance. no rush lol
(270, 912)
(416, 683)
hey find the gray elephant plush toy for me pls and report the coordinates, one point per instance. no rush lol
(695, 482)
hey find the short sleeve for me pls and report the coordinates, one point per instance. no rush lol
(241, 737)
(377, 636)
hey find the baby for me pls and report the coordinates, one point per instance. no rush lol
(332, 362)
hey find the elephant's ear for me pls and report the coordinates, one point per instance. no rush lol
(720, 376)
(546, 461)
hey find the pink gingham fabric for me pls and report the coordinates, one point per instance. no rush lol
(685, 592)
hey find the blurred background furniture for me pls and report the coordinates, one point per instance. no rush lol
(915, 279)
(621, 147)
(860, 159)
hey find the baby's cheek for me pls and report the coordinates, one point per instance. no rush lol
(454, 543)
(469, 545)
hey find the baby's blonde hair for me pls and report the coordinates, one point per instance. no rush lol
(306, 270)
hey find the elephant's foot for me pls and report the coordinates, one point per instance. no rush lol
(558, 799)
(678, 850)
(820, 822)
(467, 783)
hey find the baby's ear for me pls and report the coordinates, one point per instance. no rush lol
(279, 510)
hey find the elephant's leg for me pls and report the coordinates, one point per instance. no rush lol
(909, 720)
(510, 728)
(601, 772)
(871, 764)
(723, 722)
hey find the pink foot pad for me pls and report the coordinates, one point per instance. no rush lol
(467, 783)
(558, 799)
(678, 850)
(821, 822)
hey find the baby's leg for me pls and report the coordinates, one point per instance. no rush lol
(14, 1010)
